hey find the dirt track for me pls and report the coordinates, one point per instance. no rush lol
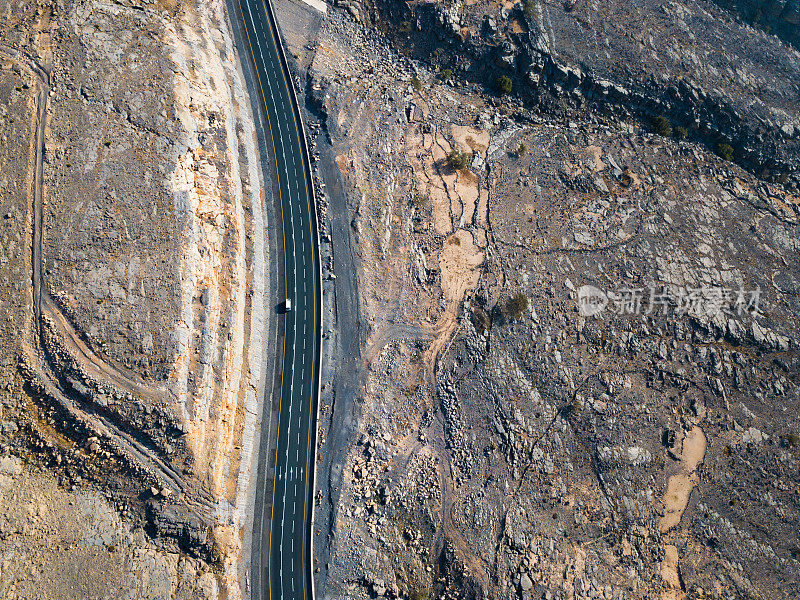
(36, 363)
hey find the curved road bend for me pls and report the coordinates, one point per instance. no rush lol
(281, 540)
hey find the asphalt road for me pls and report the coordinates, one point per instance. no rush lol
(282, 537)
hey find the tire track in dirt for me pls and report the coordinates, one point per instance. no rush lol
(35, 364)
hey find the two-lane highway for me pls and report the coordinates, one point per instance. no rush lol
(281, 540)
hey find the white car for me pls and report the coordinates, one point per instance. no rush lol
(287, 306)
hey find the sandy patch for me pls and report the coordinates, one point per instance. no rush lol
(459, 262)
(343, 163)
(681, 484)
(596, 163)
(422, 154)
(469, 137)
(457, 198)
(468, 189)
(676, 498)
(670, 575)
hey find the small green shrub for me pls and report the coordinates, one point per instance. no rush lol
(420, 201)
(504, 84)
(577, 405)
(481, 320)
(681, 133)
(416, 83)
(725, 151)
(662, 126)
(513, 308)
(457, 159)
(517, 305)
(404, 27)
(446, 74)
(530, 8)
(419, 594)
(521, 150)
(410, 390)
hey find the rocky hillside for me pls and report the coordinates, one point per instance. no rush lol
(579, 362)
(717, 79)
(779, 17)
